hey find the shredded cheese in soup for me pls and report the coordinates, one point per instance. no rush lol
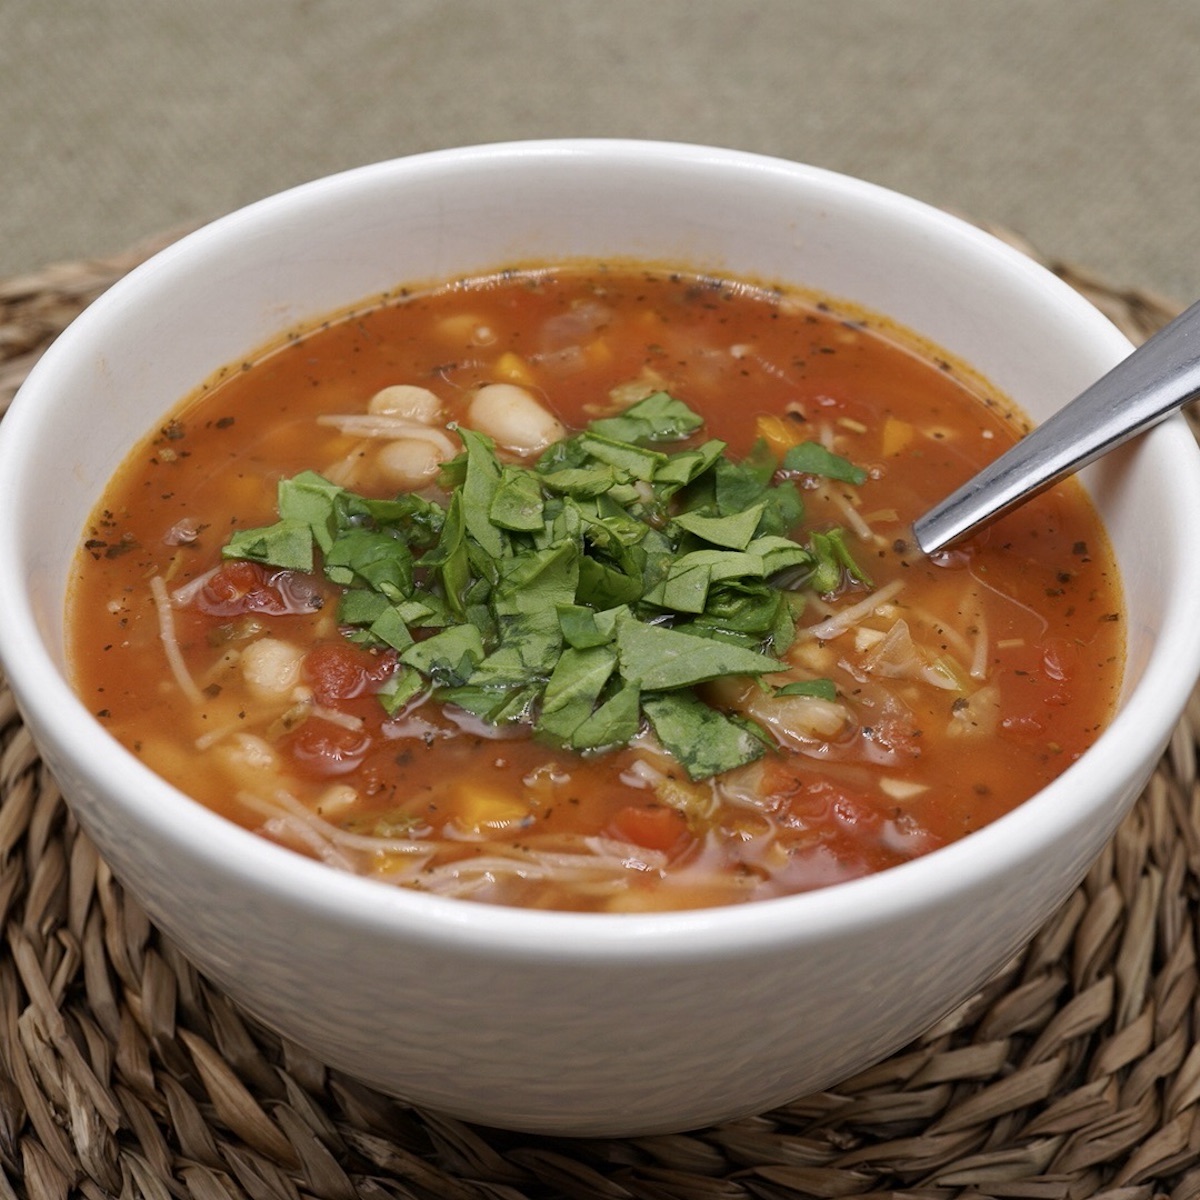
(592, 588)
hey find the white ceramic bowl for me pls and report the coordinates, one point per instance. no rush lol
(570, 1023)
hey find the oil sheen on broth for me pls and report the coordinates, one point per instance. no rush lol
(490, 712)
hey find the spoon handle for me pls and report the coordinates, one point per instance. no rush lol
(1141, 390)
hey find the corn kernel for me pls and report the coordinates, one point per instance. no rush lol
(512, 368)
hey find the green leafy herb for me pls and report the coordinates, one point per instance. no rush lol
(823, 689)
(587, 594)
(833, 563)
(657, 418)
(811, 458)
(705, 741)
(287, 544)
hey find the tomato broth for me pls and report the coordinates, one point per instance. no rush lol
(907, 701)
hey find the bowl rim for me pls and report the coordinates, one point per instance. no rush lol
(499, 931)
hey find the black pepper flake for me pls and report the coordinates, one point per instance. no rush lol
(127, 542)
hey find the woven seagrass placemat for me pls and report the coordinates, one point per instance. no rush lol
(124, 1073)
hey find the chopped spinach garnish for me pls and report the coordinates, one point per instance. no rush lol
(587, 594)
(811, 458)
(823, 689)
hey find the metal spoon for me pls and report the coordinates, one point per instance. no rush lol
(1141, 390)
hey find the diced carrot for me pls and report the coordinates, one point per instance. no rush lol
(598, 352)
(652, 826)
(779, 434)
(478, 808)
(896, 436)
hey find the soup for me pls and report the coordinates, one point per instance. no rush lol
(591, 587)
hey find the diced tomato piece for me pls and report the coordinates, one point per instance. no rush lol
(821, 804)
(322, 748)
(651, 826)
(895, 737)
(779, 777)
(342, 670)
(238, 587)
(854, 814)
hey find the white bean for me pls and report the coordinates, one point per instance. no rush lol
(271, 666)
(250, 750)
(408, 463)
(407, 400)
(513, 419)
(336, 799)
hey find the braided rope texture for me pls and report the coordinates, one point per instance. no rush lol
(124, 1073)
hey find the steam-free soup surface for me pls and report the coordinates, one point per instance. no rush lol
(883, 706)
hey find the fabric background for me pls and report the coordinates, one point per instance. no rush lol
(1074, 122)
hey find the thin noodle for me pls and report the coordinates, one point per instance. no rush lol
(378, 426)
(285, 803)
(206, 741)
(284, 827)
(602, 868)
(978, 668)
(166, 633)
(1037, 616)
(337, 717)
(183, 595)
(853, 517)
(849, 617)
